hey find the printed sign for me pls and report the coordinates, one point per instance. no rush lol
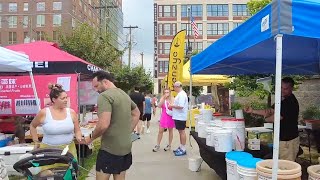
(17, 96)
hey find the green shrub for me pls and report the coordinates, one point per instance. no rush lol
(311, 113)
(251, 120)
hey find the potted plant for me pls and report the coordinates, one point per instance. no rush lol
(311, 117)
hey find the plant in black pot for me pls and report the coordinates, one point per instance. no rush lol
(311, 117)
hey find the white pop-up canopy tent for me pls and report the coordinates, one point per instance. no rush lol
(11, 61)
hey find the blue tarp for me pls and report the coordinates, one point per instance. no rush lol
(251, 48)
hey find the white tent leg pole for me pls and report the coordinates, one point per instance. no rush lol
(79, 144)
(277, 106)
(35, 90)
(190, 103)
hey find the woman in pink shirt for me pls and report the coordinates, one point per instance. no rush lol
(166, 120)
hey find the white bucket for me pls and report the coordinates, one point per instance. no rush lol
(223, 140)
(206, 114)
(232, 173)
(232, 159)
(202, 133)
(194, 163)
(246, 173)
(237, 126)
(210, 135)
(314, 172)
(246, 168)
(239, 114)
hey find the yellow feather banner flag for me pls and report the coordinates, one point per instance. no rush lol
(176, 60)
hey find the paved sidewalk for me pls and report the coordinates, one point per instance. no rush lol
(148, 165)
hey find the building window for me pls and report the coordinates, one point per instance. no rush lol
(55, 36)
(25, 6)
(57, 20)
(0, 7)
(240, 10)
(187, 25)
(40, 35)
(57, 6)
(26, 38)
(25, 21)
(41, 20)
(163, 66)
(235, 25)
(12, 38)
(0, 21)
(41, 6)
(167, 29)
(167, 11)
(13, 21)
(74, 9)
(73, 23)
(196, 10)
(164, 47)
(217, 28)
(217, 10)
(13, 7)
(197, 46)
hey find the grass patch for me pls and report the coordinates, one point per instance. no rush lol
(90, 161)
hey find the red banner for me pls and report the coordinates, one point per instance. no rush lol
(17, 97)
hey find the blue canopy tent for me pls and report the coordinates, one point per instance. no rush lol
(281, 38)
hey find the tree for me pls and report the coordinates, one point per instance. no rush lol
(91, 45)
(255, 6)
(196, 90)
(127, 78)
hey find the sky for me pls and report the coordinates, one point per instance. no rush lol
(139, 13)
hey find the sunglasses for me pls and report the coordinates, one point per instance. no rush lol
(166, 92)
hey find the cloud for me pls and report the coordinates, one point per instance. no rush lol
(140, 13)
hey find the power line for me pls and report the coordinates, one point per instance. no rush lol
(130, 41)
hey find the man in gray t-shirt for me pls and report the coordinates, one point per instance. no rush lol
(118, 116)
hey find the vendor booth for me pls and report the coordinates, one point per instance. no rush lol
(11, 61)
(283, 38)
(50, 65)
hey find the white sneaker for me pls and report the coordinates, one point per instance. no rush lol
(148, 131)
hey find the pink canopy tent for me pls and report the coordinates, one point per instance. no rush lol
(48, 58)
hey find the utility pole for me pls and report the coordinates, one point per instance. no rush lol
(130, 41)
(142, 58)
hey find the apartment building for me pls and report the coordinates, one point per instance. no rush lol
(23, 21)
(114, 23)
(214, 18)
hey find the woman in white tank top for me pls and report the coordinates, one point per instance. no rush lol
(60, 124)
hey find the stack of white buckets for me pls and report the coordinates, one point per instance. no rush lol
(224, 134)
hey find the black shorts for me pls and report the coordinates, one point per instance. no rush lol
(112, 164)
(141, 114)
(180, 125)
(146, 117)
